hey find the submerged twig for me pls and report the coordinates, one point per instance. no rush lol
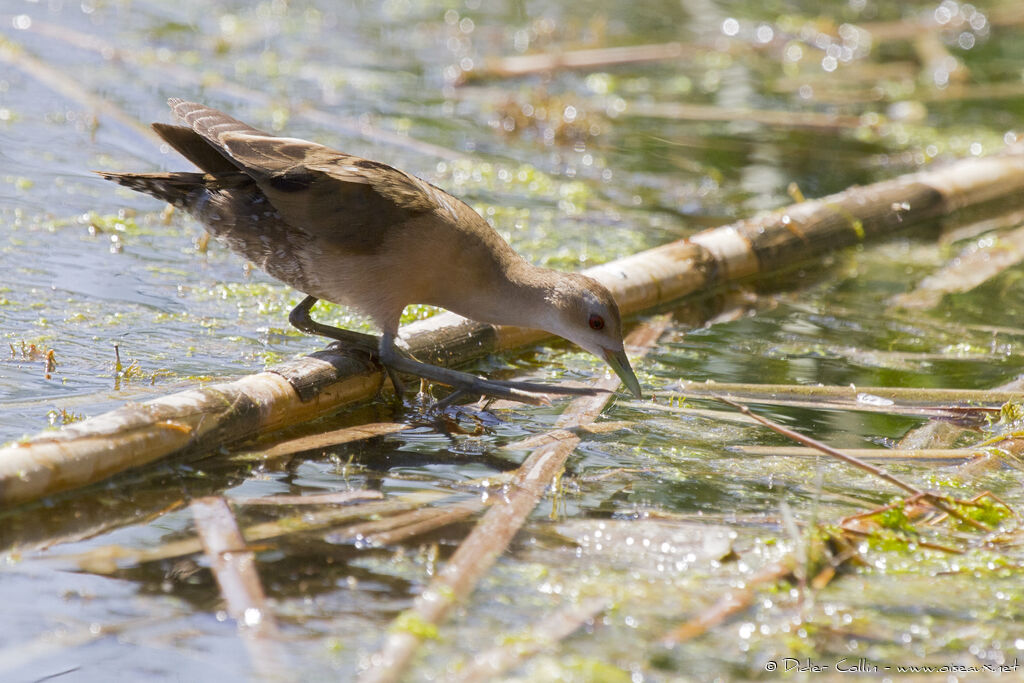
(107, 559)
(732, 602)
(543, 635)
(548, 437)
(335, 437)
(334, 498)
(398, 528)
(705, 413)
(234, 567)
(941, 434)
(969, 269)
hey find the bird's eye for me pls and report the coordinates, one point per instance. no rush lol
(596, 322)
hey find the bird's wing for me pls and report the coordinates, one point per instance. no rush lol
(209, 122)
(195, 148)
(333, 195)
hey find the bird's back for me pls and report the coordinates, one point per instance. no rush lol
(333, 225)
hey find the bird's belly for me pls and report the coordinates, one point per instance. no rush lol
(370, 284)
(377, 283)
(293, 257)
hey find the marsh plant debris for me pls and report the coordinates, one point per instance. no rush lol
(850, 175)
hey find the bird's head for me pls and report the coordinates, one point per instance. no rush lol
(584, 312)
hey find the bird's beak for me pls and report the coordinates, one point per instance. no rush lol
(620, 364)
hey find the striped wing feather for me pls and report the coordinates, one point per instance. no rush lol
(346, 199)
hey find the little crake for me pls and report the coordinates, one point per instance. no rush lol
(366, 235)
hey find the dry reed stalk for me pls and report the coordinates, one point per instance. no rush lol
(867, 453)
(596, 58)
(851, 394)
(399, 528)
(234, 568)
(107, 559)
(678, 111)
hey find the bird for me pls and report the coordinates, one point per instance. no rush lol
(363, 234)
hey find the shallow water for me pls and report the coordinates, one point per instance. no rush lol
(86, 267)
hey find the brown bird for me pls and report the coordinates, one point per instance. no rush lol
(366, 235)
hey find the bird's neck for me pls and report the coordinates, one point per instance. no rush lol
(522, 297)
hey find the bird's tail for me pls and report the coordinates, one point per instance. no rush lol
(179, 189)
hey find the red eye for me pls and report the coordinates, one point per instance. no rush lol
(596, 322)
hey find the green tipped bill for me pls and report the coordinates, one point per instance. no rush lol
(620, 364)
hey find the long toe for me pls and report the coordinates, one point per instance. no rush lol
(525, 392)
(396, 382)
(478, 386)
(451, 398)
(539, 387)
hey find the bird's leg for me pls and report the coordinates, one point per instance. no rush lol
(299, 318)
(465, 383)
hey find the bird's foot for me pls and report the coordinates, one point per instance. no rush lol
(372, 354)
(465, 384)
